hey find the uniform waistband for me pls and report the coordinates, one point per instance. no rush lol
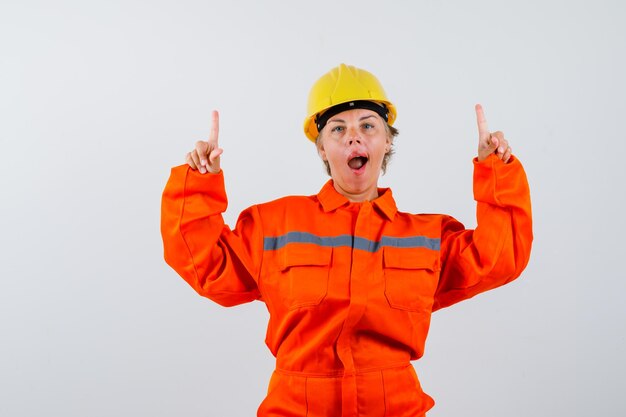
(392, 390)
(340, 373)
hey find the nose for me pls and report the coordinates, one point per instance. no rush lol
(353, 136)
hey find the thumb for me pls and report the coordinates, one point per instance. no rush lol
(492, 143)
(487, 147)
(213, 163)
(214, 155)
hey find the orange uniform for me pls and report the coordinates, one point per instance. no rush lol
(350, 287)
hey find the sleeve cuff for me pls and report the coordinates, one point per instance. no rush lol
(495, 181)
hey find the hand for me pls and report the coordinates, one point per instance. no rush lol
(206, 156)
(490, 143)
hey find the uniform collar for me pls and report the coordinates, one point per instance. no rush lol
(331, 200)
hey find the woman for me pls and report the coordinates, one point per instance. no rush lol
(349, 281)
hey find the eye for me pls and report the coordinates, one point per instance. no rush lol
(337, 129)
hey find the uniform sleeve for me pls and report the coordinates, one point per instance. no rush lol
(219, 263)
(498, 250)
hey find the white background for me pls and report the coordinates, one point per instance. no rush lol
(99, 99)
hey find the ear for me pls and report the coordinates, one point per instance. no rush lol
(388, 143)
(320, 149)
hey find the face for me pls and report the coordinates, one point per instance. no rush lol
(354, 144)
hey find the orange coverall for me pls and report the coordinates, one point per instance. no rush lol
(350, 287)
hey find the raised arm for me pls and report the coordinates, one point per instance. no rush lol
(219, 263)
(498, 250)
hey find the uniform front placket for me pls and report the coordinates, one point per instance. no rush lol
(358, 299)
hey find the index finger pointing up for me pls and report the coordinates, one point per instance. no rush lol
(483, 129)
(215, 127)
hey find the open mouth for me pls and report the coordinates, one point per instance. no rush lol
(357, 162)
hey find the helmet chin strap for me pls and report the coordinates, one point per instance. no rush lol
(380, 108)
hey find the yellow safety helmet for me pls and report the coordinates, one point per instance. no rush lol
(343, 88)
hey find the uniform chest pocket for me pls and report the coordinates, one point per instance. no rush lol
(304, 274)
(410, 278)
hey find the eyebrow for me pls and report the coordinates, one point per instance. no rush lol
(343, 121)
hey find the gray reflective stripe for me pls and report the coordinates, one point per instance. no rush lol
(274, 243)
(411, 242)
